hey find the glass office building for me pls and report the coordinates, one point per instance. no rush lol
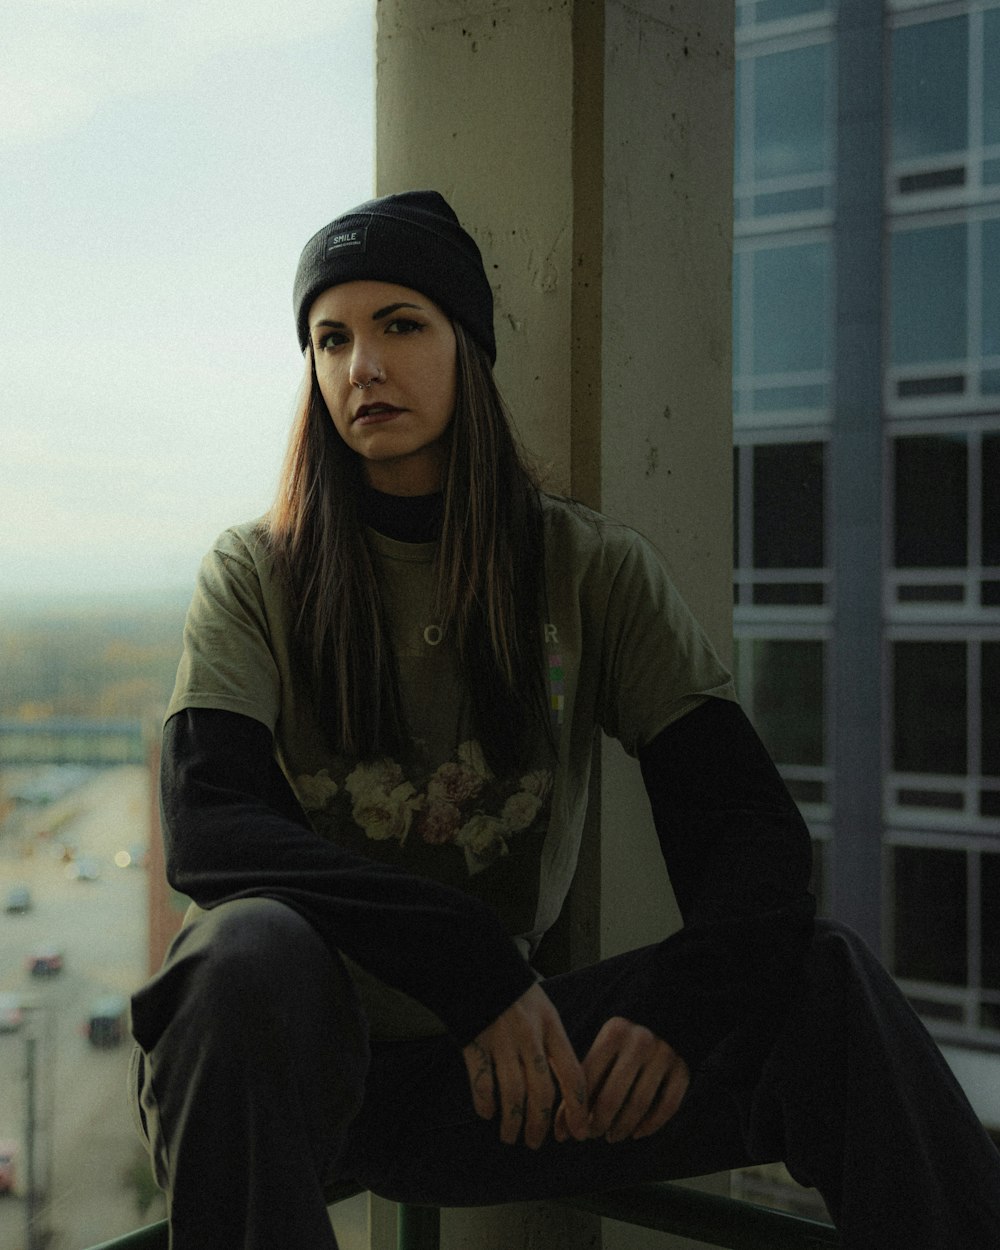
(866, 319)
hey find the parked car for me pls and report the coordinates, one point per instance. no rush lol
(105, 1025)
(45, 962)
(11, 1013)
(84, 870)
(18, 899)
(8, 1154)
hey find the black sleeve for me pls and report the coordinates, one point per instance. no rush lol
(233, 828)
(739, 858)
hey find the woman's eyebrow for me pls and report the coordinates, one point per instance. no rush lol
(391, 308)
(376, 316)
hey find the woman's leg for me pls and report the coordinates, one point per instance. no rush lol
(846, 1087)
(865, 1108)
(255, 1078)
(254, 1053)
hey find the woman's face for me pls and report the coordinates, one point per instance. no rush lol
(404, 345)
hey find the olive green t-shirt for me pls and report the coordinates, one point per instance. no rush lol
(622, 652)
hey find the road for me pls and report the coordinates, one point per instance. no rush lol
(85, 1145)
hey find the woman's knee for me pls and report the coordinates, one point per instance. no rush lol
(255, 940)
(838, 951)
(243, 966)
(850, 987)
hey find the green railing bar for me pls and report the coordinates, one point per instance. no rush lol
(726, 1222)
(152, 1237)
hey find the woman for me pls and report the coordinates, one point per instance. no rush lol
(375, 769)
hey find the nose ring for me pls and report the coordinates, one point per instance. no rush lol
(364, 386)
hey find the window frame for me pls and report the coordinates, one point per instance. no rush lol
(967, 787)
(969, 609)
(817, 813)
(745, 191)
(971, 366)
(746, 575)
(968, 999)
(824, 14)
(973, 158)
(746, 383)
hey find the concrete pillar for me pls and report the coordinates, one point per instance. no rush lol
(856, 877)
(587, 146)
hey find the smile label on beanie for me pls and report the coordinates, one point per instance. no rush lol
(344, 239)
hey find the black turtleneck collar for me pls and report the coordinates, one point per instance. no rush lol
(406, 518)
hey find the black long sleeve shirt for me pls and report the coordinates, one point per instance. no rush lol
(736, 849)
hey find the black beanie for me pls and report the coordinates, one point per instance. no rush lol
(412, 239)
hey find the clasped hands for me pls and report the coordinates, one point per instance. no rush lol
(628, 1085)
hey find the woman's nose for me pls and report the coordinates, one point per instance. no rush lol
(366, 364)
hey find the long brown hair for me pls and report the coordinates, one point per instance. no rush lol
(489, 574)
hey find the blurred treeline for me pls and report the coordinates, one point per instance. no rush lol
(104, 660)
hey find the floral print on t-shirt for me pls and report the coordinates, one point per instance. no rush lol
(460, 806)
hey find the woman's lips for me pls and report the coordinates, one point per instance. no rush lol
(373, 414)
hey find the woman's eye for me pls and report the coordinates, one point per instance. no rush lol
(334, 339)
(403, 325)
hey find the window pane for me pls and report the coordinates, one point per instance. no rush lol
(930, 915)
(788, 699)
(990, 696)
(780, 10)
(929, 707)
(791, 308)
(801, 200)
(928, 294)
(788, 506)
(930, 88)
(785, 398)
(991, 287)
(931, 502)
(790, 118)
(991, 76)
(989, 913)
(991, 499)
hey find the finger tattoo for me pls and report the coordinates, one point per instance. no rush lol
(484, 1058)
(482, 1077)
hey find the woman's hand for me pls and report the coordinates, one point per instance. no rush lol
(636, 1082)
(511, 1064)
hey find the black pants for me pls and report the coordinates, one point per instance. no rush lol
(258, 1086)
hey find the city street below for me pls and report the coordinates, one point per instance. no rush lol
(81, 857)
(88, 912)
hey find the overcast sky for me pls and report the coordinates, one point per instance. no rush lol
(164, 161)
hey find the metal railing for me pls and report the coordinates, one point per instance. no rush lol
(729, 1223)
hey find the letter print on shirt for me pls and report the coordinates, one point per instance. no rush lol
(439, 800)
